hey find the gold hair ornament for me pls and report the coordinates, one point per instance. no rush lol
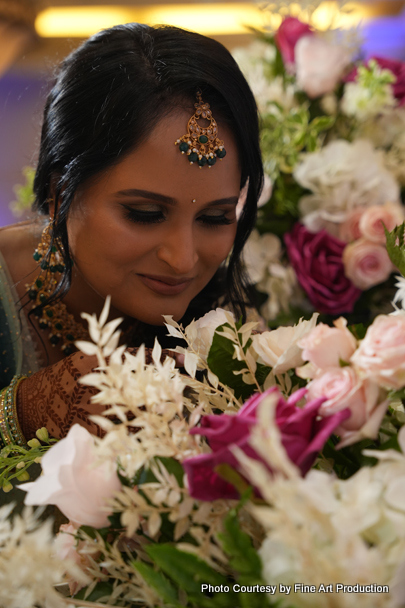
(201, 144)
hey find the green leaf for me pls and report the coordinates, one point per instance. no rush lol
(189, 573)
(221, 362)
(322, 123)
(262, 371)
(159, 583)
(102, 590)
(187, 570)
(242, 555)
(395, 247)
(358, 330)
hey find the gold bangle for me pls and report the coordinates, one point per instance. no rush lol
(3, 429)
(10, 427)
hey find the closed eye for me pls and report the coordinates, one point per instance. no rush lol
(143, 217)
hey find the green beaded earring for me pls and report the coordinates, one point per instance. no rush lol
(201, 144)
(62, 327)
(49, 257)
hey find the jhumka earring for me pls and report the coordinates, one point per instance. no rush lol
(201, 144)
(54, 317)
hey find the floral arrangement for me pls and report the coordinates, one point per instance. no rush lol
(270, 471)
(332, 130)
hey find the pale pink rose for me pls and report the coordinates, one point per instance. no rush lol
(381, 355)
(71, 480)
(349, 230)
(371, 222)
(343, 388)
(366, 263)
(66, 548)
(325, 346)
(279, 348)
(319, 65)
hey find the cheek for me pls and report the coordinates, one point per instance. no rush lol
(216, 246)
(109, 240)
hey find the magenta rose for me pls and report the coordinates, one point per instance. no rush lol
(396, 67)
(287, 36)
(303, 435)
(317, 262)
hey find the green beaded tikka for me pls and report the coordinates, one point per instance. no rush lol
(201, 144)
(54, 317)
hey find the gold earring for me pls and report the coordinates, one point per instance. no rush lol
(49, 256)
(53, 317)
(201, 144)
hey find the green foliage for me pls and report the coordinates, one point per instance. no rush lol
(157, 581)
(358, 330)
(102, 591)
(285, 134)
(188, 573)
(395, 247)
(15, 461)
(24, 193)
(222, 363)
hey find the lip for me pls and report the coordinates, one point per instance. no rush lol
(167, 286)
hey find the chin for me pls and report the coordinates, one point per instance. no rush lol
(156, 318)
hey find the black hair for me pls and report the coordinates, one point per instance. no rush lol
(108, 95)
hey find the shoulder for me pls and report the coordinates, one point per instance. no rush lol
(17, 244)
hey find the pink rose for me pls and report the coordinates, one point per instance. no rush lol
(374, 219)
(349, 230)
(396, 67)
(366, 263)
(325, 346)
(319, 65)
(343, 388)
(73, 482)
(317, 261)
(287, 36)
(303, 435)
(381, 355)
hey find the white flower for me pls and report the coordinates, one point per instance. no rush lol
(72, 481)
(400, 294)
(262, 257)
(29, 570)
(279, 349)
(200, 333)
(259, 252)
(343, 176)
(319, 64)
(363, 104)
(371, 94)
(256, 62)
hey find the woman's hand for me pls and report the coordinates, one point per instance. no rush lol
(54, 398)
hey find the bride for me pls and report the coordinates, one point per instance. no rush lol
(149, 136)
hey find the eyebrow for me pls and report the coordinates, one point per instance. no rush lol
(162, 198)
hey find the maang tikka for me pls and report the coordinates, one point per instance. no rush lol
(201, 144)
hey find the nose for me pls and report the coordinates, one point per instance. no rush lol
(178, 249)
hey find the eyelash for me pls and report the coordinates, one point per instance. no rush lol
(149, 217)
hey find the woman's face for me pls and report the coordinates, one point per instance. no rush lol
(152, 230)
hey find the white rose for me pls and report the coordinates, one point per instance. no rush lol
(279, 349)
(73, 482)
(200, 333)
(319, 64)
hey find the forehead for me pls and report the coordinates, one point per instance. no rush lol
(157, 164)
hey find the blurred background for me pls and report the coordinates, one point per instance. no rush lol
(35, 35)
